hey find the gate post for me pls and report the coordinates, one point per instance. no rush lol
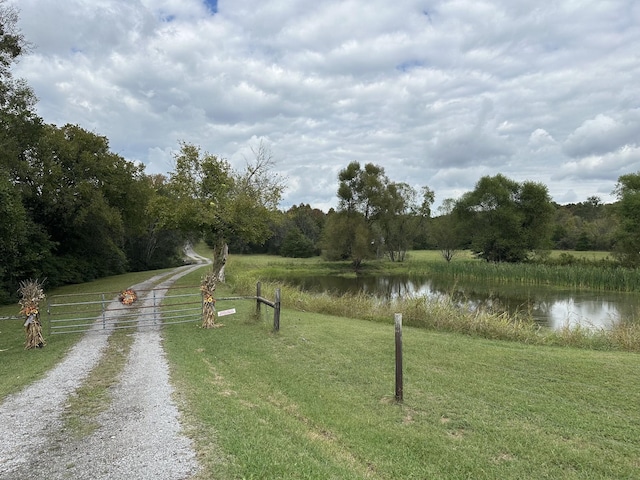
(155, 313)
(49, 317)
(258, 285)
(399, 386)
(276, 312)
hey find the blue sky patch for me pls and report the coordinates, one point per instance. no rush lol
(212, 5)
(409, 65)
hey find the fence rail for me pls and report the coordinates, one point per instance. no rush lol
(152, 308)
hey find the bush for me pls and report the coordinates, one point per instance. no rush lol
(296, 245)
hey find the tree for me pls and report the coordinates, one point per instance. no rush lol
(297, 245)
(87, 199)
(391, 213)
(400, 216)
(504, 219)
(303, 220)
(361, 189)
(347, 237)
(446, 231)
(348, 233)
(23, 244)
(206, 198)
(627, 246)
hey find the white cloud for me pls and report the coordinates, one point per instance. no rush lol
(603, 134)
(438, 93)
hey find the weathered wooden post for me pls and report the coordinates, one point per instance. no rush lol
(276, 312)
(258, 302)
(399, 386)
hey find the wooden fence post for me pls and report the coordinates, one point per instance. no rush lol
(258, 302)
(276, 312)
(399, 386)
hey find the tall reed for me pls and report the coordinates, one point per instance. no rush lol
(445, 315)
(597, 277)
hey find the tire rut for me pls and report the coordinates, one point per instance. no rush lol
(139, 435)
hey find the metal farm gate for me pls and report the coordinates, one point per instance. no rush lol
(79, 313)
(104, 311)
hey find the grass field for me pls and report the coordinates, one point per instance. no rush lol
(316, 400)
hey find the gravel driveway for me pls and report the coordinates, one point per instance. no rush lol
(139, 435)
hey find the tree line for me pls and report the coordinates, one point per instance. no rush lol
(71, 210)
(500, 220)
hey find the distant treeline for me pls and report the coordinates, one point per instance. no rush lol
(71, 210)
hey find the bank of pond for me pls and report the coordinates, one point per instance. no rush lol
(593, 304)
(549, 306)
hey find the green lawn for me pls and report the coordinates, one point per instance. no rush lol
(316, 400)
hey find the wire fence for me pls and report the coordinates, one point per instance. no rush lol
(154, 307)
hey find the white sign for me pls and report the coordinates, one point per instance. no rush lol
(222, 313)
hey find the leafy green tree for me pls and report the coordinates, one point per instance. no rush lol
(504, 219)
(392, 213)
(361, 189)
(148, 245)
(627, 247)
(297, 245)
(446, 231)
(400, 217)
(309, 222)
(86, 199)
(23, 244)
(347, 237)
(206, 197)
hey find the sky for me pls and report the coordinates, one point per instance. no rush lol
(438, 92)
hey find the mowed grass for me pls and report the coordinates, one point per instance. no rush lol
(316, 400)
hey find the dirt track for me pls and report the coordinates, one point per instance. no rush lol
(139, 435)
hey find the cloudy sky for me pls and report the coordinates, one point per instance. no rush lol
(438, 92)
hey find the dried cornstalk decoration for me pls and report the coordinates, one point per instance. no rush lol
(32, 294)
(208, 286)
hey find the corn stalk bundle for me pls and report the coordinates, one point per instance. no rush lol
(128, 296)
(208, 287)
(32, 294)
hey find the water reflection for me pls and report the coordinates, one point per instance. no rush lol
(549, 307)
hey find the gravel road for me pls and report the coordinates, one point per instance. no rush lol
(139, 435)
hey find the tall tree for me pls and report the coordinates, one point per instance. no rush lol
(299, 232)
(505, 219)
(350, 234)
(206, 197)
(88, 199)
(23, 244)
(347, 237)
(401, 216)
(627, 245)
(391, 213)
(446, 231)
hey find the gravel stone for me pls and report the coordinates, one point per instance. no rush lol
(139, 435)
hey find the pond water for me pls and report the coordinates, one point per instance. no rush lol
(550, 307)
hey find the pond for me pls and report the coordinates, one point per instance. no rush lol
(551, 307)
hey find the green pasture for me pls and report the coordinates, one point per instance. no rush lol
(316, 399)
